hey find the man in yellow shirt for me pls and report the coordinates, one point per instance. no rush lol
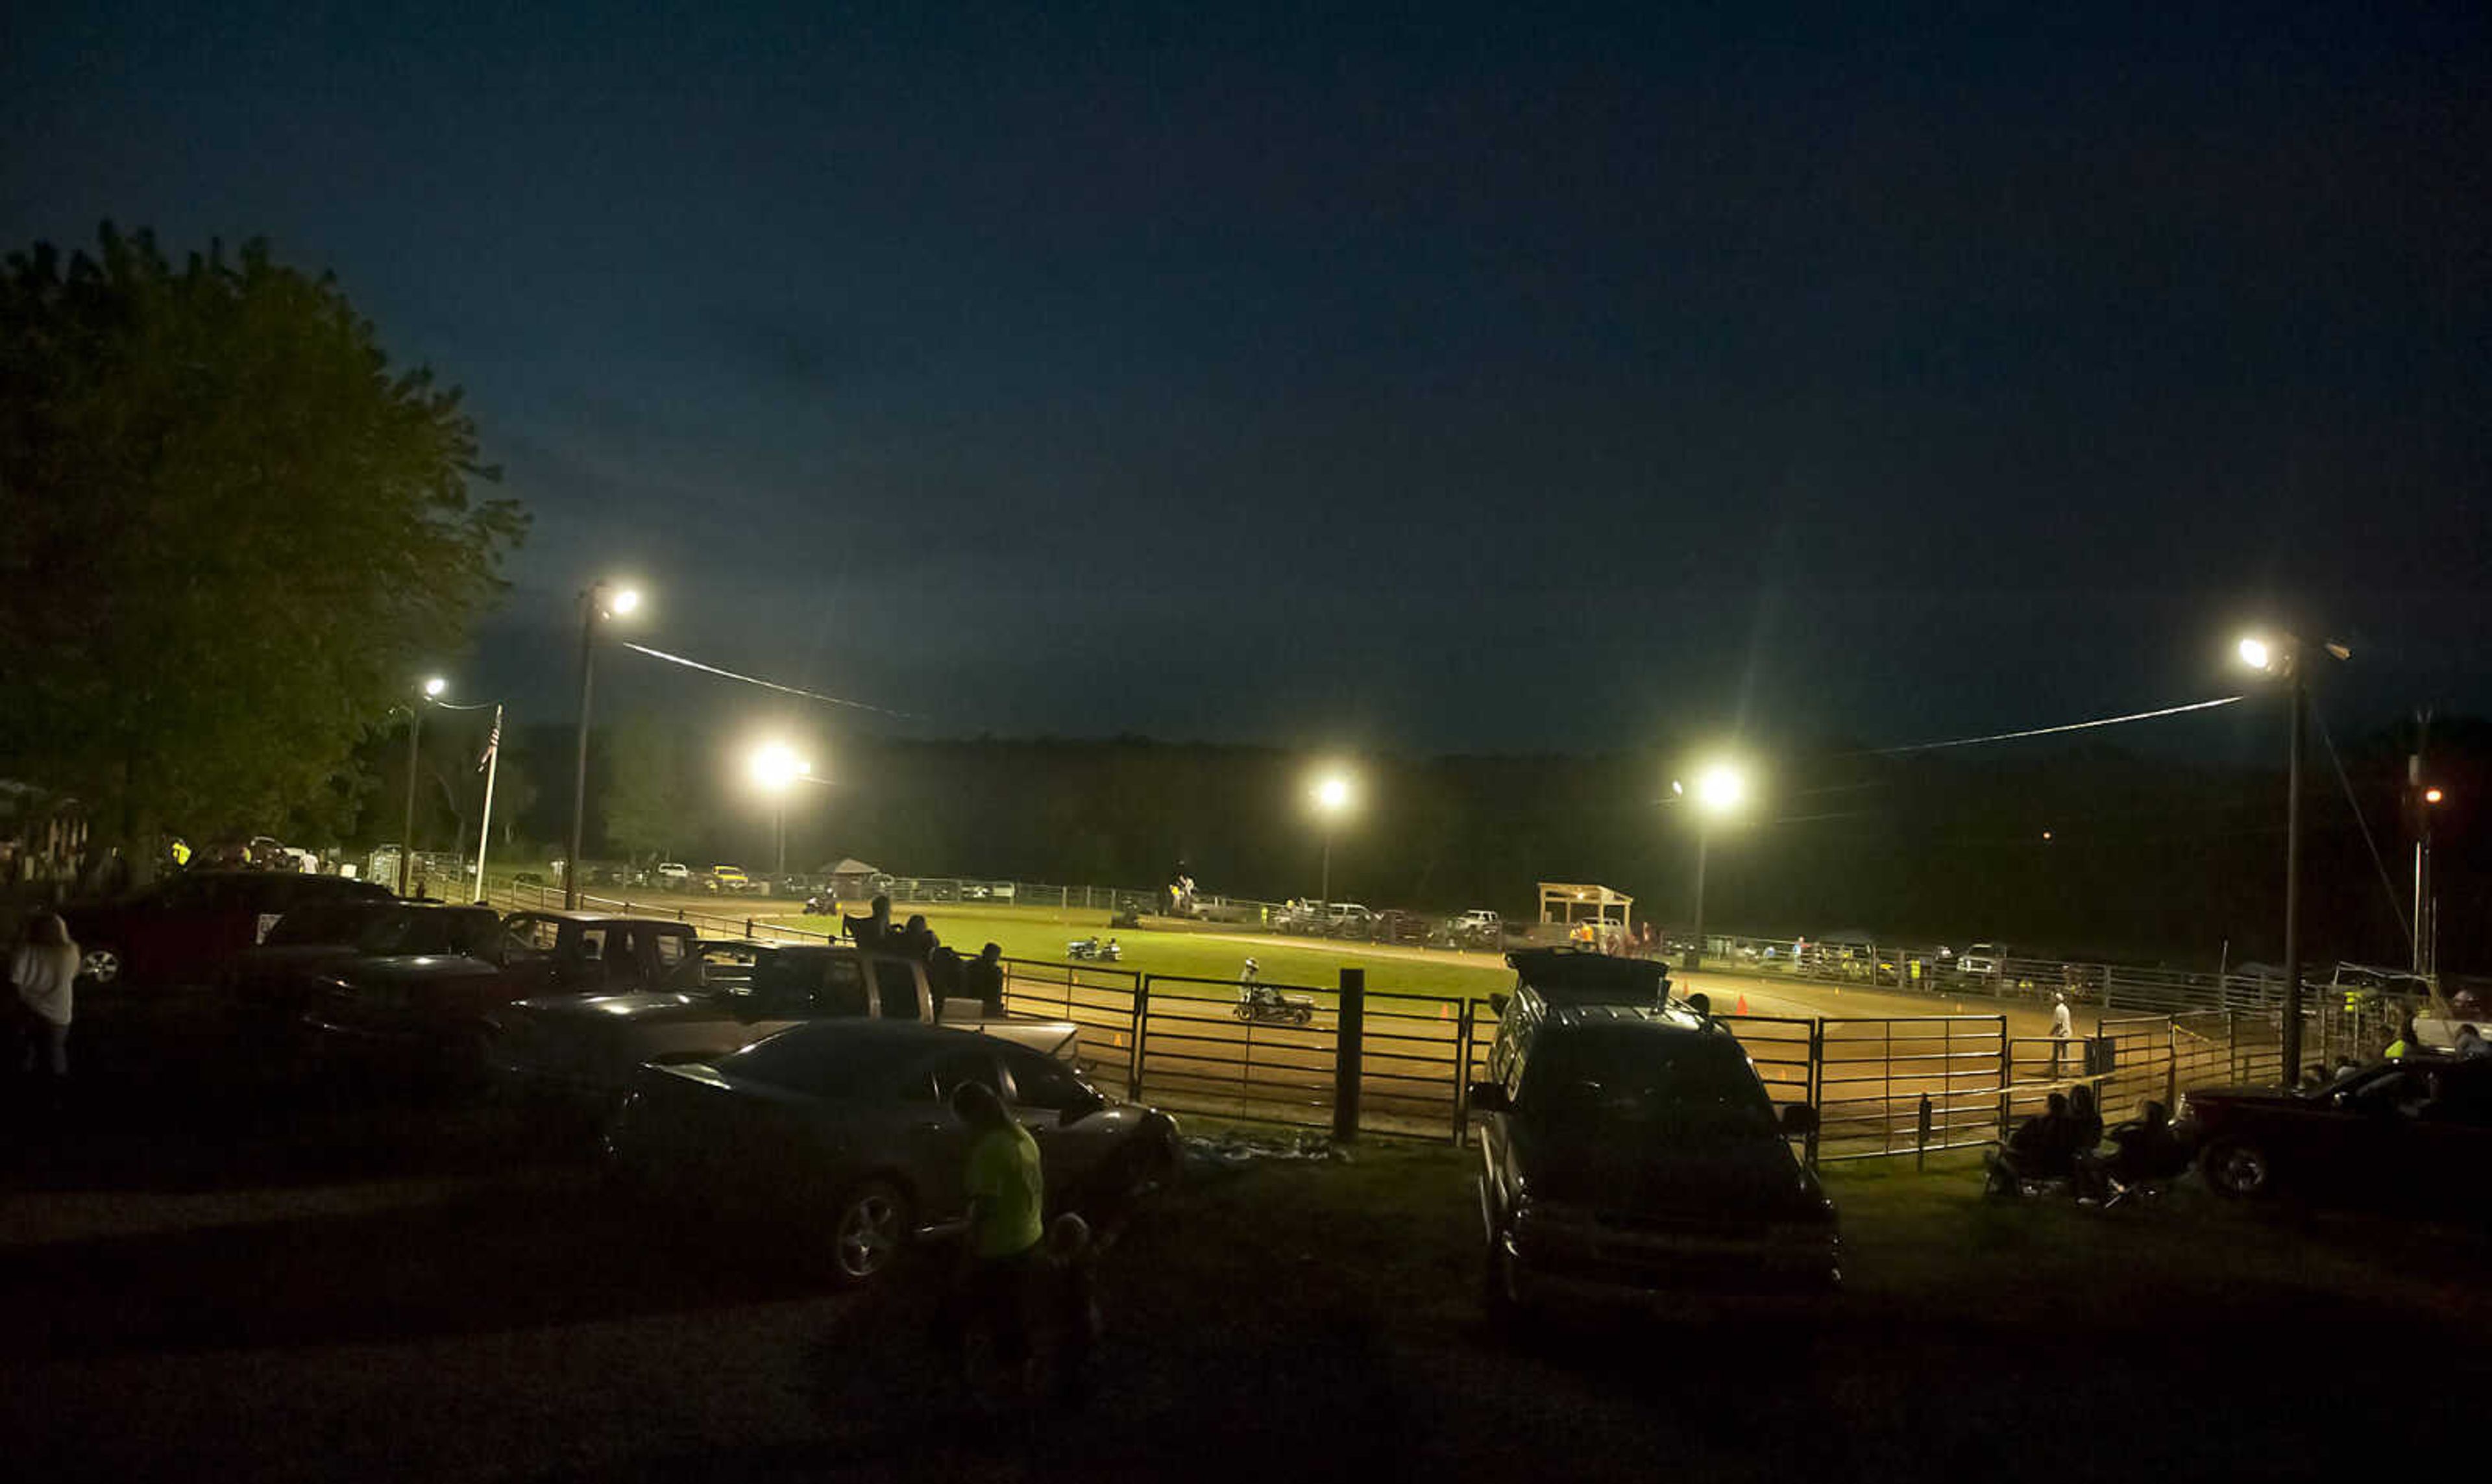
(1007, 1191)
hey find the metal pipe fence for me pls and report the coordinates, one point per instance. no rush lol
(1881, 1086)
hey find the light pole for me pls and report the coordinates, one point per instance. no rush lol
(2290, 659)
(1721, 788)
(1332, 795)
(775, 770)
(598, 601)
(432, 690)
(2425, 926)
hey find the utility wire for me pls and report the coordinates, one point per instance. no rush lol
(2396, 909)
(767, 685)
(2045, 732)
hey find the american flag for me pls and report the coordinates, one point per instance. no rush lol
(493, 742)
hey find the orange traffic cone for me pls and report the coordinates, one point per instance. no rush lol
(1743, 1001)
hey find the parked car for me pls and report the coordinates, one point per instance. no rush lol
(674, 873)
(730, 993)
(279, 979)
(438, 1013)
(2414, 1131)
(1628, 1151)
(726, 879)
(186, 929)
(844, 1127)
(1348, 919)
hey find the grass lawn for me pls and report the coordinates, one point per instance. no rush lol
(2193, 1339)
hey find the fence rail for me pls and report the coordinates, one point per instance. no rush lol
(1881, 1086)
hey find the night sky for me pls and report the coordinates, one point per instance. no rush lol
(1450, 378)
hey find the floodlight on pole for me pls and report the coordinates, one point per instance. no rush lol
(1332, 795)
(433, 688)
(775, 768)
(597, 601)
(2286, 656)
(1721, 789)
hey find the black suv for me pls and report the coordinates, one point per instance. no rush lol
(1629, 1149)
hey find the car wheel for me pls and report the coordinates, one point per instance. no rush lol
(2238, 1170)
(1498, 1303)
(101, 965)
(868, 1232)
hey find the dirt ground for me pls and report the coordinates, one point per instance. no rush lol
(200, 1287)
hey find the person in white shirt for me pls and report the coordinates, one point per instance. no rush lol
(43, 968)
(2063, 1026)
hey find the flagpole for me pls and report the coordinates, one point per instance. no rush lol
(493, 771)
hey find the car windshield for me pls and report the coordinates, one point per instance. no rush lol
(1641, 1081)
(419, 931)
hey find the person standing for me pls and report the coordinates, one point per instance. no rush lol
(43, 968)
(2062, 1028)
(1007, 1191)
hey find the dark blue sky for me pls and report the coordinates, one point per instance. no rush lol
(1449, 377)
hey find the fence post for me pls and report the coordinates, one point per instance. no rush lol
(2006, 1099)
(1461, 1069)
(2171, 1064)
(748, 927)
(1142, 1018)
(1921, 1150)
(1349, 1059)
(2232, 1049)
(1815, 1089)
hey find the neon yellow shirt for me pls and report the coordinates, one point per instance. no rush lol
(1009, 1191)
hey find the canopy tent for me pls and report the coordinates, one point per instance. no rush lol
(1573, 902)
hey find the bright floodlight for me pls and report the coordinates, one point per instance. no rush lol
(436, 686)
(1721, 789)
(624, 600)
(1332, 795)
(2255, 654)
(774, 767)
(2431, 795)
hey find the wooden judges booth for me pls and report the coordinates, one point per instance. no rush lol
(1590, 913)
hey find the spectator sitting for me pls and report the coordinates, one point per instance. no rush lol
(2084, 1122)
(2041, 1149)
(2470, 1043)
(873, 929)
(917, 941)
(2141, 1151)
(983, 979)
(943, 978)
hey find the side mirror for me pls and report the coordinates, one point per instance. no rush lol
(1489, 1097)
(1799, 1120)
(1497, 1003)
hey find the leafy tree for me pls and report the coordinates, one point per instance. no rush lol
(235, 536)
(646, 807)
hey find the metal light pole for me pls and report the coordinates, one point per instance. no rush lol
(414, 730)
(1332, 796)
(1720, 788)
(2291, 1028)
(591, 610)
(775, 770)
(2291, 658)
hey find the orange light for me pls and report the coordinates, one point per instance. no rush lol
(2431, 795)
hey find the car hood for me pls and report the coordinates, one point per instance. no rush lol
(646, 1007)
(2244, 1097)
(417, 968)
(287, 958)
(1751, 1175)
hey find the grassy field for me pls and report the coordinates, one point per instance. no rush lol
(1041, 933)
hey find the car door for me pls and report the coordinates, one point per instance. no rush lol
(530, 946)
(932, 1146)
(1078, 1132)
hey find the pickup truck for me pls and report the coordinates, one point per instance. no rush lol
(439, 1012)
(729, 995)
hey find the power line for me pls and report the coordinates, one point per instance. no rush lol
(2045, 732)
(767, 685)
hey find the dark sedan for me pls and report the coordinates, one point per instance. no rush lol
(2415, 1131)
(308, 944)
(847, 1126)
(184, 930)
